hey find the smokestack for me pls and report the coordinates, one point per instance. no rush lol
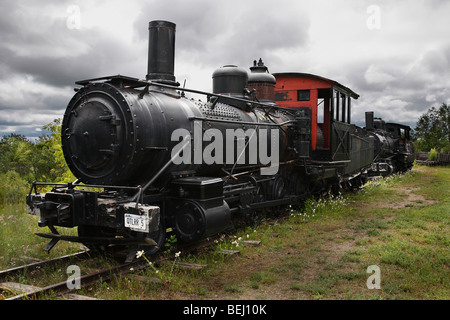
(369, 120)
(161, 51)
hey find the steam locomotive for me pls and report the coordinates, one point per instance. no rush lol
(149, 159)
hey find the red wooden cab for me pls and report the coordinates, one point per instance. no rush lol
(328, 100)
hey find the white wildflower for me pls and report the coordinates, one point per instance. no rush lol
(139, 254)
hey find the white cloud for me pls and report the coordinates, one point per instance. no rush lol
(374, 75)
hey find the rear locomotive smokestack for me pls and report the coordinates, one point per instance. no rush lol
(369, 120)
(161, 51)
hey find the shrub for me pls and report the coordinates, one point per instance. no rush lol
(432, 155)
(13, 188)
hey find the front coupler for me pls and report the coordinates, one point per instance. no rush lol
(66, 206)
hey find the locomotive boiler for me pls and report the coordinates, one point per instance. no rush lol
(148, 159)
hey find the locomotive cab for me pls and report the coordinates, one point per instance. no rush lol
(404, 148)
(399, 131)
(330, 104)
(333, 137)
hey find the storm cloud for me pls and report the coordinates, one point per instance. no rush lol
(396, 55)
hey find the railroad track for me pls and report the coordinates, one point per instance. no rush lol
(37, 265)
(63, 289)
(28, 269)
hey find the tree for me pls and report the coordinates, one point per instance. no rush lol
(16, 155)
(433, 130)
(39, 161)
(58, 170)
(16, 169)
(23, 161)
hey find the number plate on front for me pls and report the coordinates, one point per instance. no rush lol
(136, 222)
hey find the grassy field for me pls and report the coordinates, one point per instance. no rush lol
(399, 224)
(19, 244)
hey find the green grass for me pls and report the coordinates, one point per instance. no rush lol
(323, 251)
(18, 239)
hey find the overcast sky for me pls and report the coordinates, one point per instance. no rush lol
(394, 54)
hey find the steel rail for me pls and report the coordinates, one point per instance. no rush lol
(36, 265)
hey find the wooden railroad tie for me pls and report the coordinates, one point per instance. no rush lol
(190, 266)
(186, 265)
(230, 253)
(150, 280)
(252, 242)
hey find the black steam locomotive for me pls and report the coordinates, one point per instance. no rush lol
(394, 151)
(148, 158)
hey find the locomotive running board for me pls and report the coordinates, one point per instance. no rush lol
(277, 202)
